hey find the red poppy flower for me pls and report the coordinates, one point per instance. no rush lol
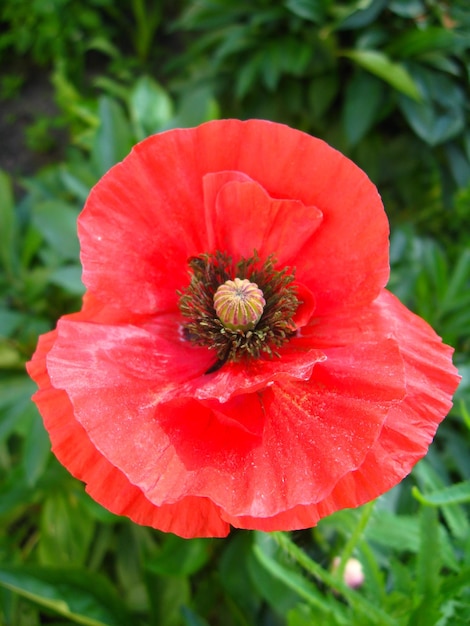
(237, 360)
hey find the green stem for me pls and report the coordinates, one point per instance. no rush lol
(356, 601)
(348, 549)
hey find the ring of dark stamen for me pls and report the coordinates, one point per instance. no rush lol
(204, 328)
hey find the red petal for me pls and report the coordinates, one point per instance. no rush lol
(146, 216)
(191, 517)
(116, 376)
(276, 444)
(234, 379)
(152, 356)
(346, 260)
(431, 379)
(182, 448)
(288, 474)
(141, 223)
(314, 433)
(320, 430)
(243, 411)
(409, 428)
(304, 313)
(212, 184)
(244, 218)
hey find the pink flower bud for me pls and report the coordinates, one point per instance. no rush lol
(353, 574)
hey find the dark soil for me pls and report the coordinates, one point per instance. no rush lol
(34, 101)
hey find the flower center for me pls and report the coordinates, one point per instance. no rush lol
(239, 304)
(240, 310)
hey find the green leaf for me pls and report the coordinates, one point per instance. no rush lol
(295, 55)
(454, 515)
(304, 615)
(407, 8)
(428, 567)
(69, 278)
(380, 65)
(10, 357)
(393, 531)
(7, 222)
(247, 76)
(271, 61)
(455, 445)
(459, 164)
(191, 619)
(361, 606)
(150, 106)
(31, 244)
(374, 575)
(300, 615)
(415, 42)
(363, 99)
(313, 10)
(430, 122)
(15, 403)
(269, 585)
(180, 557)
(15, 495)
(79, 595)
(402, 533)
(234, 577)
(452, 585)
(66, 531)
(322, 92)
(234, 42)
(57, 222)
(458, 282)
(168, 597)
(362, 13)
(196, 107)
(37, 450)
(95, 510)
(440, 114)
(455, 494)
(113, 139)
(75, 184)
(10, 321)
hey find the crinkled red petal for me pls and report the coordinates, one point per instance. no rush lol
(306, 307)
(315, 429)
(141, 223)
(234, 379)
(147, 215)
(242, 217)
(409, 428)
(190, 517)
(275, 477)
(345, 412)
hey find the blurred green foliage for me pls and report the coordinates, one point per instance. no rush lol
(46, 31)
(387, 82)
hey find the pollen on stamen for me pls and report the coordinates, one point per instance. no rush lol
(239, 304)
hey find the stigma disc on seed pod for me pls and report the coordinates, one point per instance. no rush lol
(239, 304)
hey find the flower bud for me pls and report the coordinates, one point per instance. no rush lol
(353, 574)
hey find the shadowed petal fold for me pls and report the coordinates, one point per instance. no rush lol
(245, 218)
